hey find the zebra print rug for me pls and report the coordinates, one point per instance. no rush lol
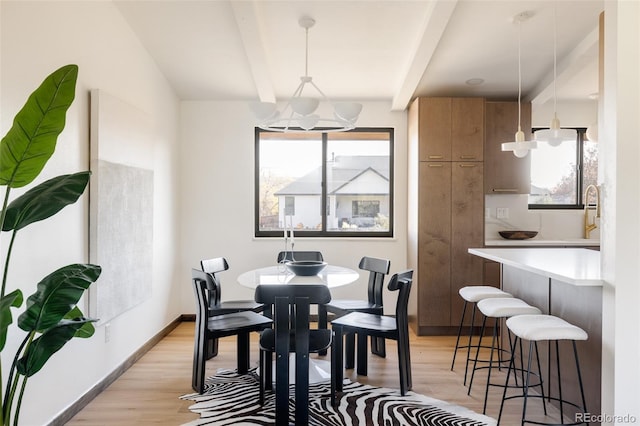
(232, 399)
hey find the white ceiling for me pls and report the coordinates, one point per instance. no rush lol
(369, 49)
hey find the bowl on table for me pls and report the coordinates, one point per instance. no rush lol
(517, 235)
(305, 268)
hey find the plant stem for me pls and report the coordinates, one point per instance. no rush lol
(3, 214)
(8, 397)
(6, 263)
(17, 412)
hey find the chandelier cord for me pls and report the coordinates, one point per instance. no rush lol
(306, 52)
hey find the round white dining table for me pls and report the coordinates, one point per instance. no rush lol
(332, 276)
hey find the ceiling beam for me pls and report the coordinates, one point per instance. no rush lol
(570, 65)
(436, 21)
(248, 23)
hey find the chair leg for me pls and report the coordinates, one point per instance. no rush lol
(362, 354)
(322, 323)
(199, 363)
(378, 347)
(243, 353)
(350, 350)
(212, 348)
(333, 370)
(404, 366)
(263, 373)
(337, 350)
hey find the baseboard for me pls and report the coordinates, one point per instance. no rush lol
(85, 399)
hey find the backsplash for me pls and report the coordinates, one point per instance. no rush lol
(511, 212)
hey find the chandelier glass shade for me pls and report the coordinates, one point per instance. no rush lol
(299, 113)
(520, 146)
(554, 135)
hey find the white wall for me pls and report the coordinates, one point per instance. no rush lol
(37, 38)
(620, 156)
(217, 192)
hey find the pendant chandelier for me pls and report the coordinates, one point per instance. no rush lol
(299, 112)
(520, 147)
(554, 135)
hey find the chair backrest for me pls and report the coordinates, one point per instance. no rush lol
(212, 267)
(401, 282)
(202, 283)
(299, 255)
(377, 268)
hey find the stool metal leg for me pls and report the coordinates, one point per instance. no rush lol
(455, 349)
(506, 383)
(584, 402)
(475, 361)
(466, 368)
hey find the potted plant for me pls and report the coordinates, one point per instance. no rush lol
(51, 316)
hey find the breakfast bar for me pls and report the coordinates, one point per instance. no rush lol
(565, 282)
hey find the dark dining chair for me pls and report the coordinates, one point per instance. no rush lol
(209, 327)
(218, 307)
(291, 334)
(387, 327)
(299, 255)
(378, 269)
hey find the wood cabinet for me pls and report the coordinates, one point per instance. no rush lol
(504, 172)
(450, 129)
(447, 136)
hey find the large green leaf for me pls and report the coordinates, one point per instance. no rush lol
(45, 200)
(31, 141)
(87, 330)
(50, 342)
(13, 299)
(56, 295)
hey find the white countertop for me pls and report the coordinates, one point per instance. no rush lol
(577, 266)
(536, 242)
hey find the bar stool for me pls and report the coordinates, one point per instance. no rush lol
(535, 328)
(498, 308)
(473, 294)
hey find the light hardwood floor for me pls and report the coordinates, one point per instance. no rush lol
(148, 393)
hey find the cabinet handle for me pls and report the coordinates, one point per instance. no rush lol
(467, 157)
(435, 165)
(504, 190)
(436, 157)
(467, 165)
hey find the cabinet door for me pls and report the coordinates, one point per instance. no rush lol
(504, 172)
(435, 129)
(434, 224)
(467, 129)
(467, 224)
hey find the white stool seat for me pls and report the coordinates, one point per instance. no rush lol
(505, 307)
(475, 293)
(544, 327)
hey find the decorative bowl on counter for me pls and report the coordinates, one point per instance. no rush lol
(305, 268)
(517, 235)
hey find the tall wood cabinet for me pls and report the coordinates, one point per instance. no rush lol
(447, 149)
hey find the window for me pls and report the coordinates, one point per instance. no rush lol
(559, 175)
(324, 184)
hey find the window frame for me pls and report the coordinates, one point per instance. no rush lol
(324, 205)
(579, 205)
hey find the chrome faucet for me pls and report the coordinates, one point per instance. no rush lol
(588, 227)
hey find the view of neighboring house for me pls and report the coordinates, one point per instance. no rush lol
(357, 195)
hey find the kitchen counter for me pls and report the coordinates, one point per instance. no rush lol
(577, 266)
(565, 282)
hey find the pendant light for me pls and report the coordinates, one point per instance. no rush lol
(299, 113)
(554, 135)
(520, 147)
